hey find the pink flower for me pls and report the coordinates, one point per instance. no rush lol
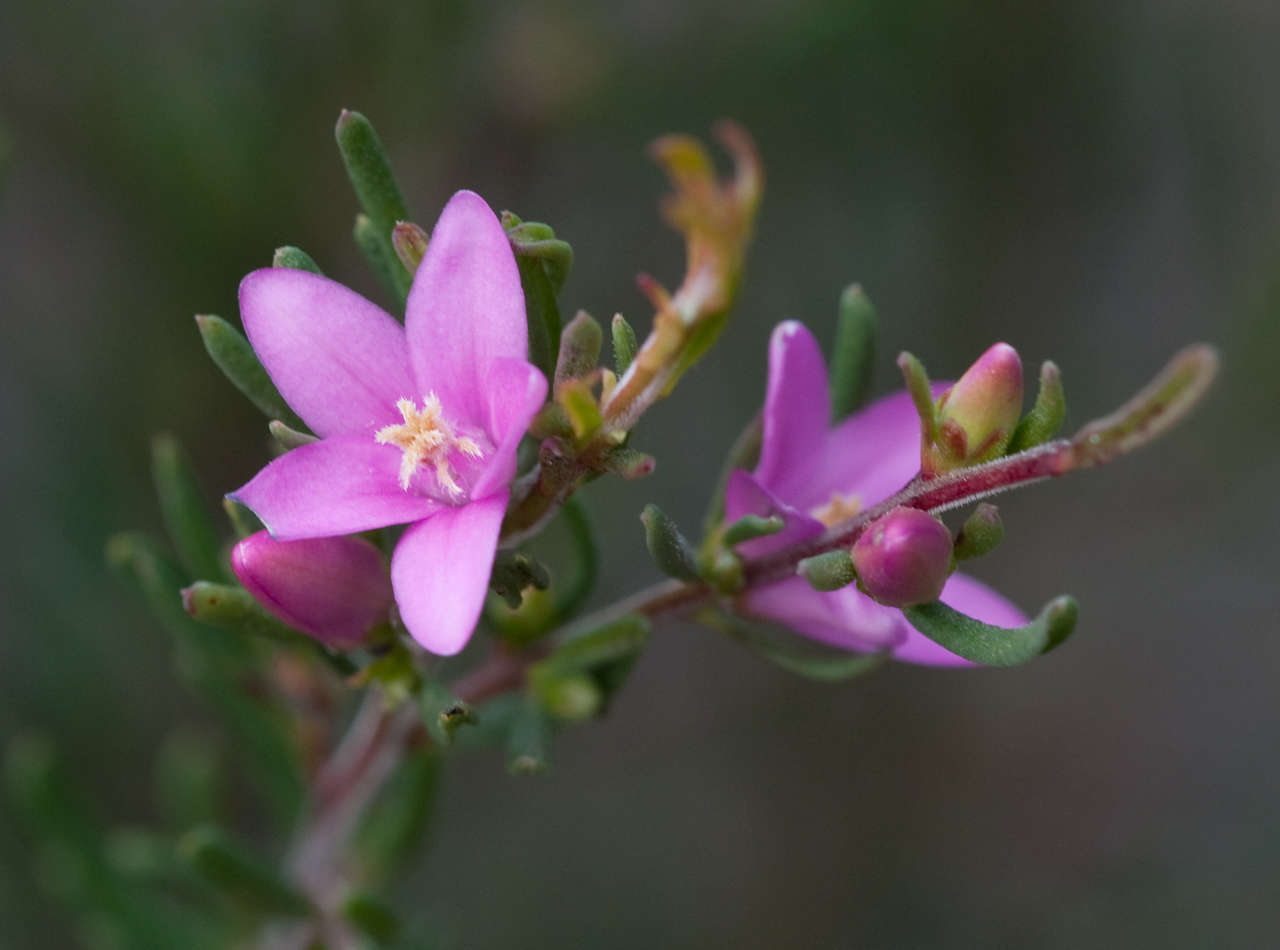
(418, 424)
(335, 589)
(814, 476)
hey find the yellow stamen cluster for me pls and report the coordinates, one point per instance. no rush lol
(426, 437)
(839, 508)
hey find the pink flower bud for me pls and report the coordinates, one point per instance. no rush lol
(335, 589)
(977, 416)
(903, 558)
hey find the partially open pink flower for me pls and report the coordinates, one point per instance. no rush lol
(814, 476)
(419, 424)
(335, 589)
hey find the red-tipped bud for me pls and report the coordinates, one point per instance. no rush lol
(335, 589)
(903, 558)
(977, 416)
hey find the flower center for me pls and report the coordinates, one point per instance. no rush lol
(837, 509)
(427, 438)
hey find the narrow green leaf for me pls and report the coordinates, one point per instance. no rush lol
(294, 258)
(371, 917)
(628, 463)
(240, 875)
(379, 195)
(232, 354)
(542, 315)
(853, 358)
(625, 343)
(1045, 418)
(982, 533)
(750, 527)
(827, 572)
(917, 381)
(995, 646)
(668, 547)
(288, 438)
(186, 513)
(532, 239)
(378, 253)
(187, 779)
(579, 347)
(233, 608)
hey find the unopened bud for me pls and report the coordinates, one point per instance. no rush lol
(335, 589)
(903, 558)
(977, 416)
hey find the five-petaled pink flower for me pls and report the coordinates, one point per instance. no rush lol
(419, 424)
(814, 476)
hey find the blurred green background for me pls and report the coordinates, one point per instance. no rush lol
(1094, 182)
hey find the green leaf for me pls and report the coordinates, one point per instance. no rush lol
(667, 546)
(379, 195)
(240, 875)
(750, 527)
(187, 779)
(381, 257)
(853, 358)
(583, 672)
(232, 354)
(294, 258)
(579, 348)
(542, 315)
(287, 438)
(186, 515)
(1045, 418)
(917, 381)
(995, 646)
(529, 740)
(625, 343)
(532, 239)
(243, 521)
(982, 533)
(792, 651)
(827, 572)
(373, 918)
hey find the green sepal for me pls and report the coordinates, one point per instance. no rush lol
(827, 572)
(294, 258)
(410, 244)
(667, 546)
(232, 354)
(577, 679)
(379, 195)
(580, 344)
(1047, 415)
(372, 917)
(792, 651)
(917, 382)
(186, 513)
(528, 739)
(995, 646)
(391, 831)
(442, 712)
(513, 573)
(381, 256)
(240, 875)
(625, 343)
(982, 533)
(854, 355)
(287, 438)
(750, 527)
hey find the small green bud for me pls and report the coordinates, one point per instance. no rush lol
(830, 571)
(410, 243)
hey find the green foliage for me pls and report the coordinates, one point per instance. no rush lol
(853, 357)
(995, 646)
(232, 354)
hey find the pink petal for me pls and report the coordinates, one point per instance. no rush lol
(872, 454)
(969, 597)
(440, 572)
(340, 361)
(516, 391)
(797, 409)
(465, 309)
(744, 495)
(335, 486)
(335, 589)
(843, 618)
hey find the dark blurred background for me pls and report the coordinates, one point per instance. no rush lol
(1094, 182)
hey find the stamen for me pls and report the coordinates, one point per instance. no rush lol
(426, 438)
(839, 508)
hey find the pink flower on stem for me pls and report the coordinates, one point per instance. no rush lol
(418, 424)
(813, 476)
